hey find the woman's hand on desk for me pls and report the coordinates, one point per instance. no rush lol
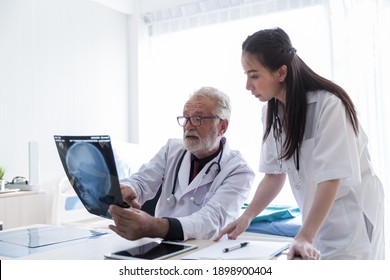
(304, 250)
(132, 224)
(234, 229)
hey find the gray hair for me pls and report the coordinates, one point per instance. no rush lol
(224, 108)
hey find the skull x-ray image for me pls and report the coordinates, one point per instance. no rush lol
(90, 173)
(90, 166)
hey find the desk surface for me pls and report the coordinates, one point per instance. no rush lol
(95, 248)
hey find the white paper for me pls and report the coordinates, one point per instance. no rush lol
(259, 250)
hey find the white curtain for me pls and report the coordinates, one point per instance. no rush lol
(360, 31)
(207, 12)
(360, 45)
(197, 45)
(174, 64)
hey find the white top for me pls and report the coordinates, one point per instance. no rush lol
(218, 196)
(331, 150)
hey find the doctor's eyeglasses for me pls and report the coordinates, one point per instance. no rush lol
(195, 120)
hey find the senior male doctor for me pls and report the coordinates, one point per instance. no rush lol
(203, 183)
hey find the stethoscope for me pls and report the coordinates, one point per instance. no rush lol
(278, 145)
(171, 200)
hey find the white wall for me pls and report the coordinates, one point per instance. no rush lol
(63, 70)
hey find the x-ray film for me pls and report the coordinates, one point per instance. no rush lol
(89, 164)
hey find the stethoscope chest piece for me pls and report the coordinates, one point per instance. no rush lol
(171, 200)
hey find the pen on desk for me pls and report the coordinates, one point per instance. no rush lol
(235, 247)
(281, 250)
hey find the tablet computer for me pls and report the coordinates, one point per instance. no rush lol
(89, 164)
(153, 251)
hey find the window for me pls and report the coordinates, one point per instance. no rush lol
(346, 41)
(177, 63)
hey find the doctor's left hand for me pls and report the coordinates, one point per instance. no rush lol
(132, 224)
(130, 196)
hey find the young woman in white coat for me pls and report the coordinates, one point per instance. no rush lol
(312, 136)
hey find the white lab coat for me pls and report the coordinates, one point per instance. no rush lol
(354, 227)
(221, 194)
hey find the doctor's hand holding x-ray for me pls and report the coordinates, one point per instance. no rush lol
(203, 183)
(132, 223)
(130, 196)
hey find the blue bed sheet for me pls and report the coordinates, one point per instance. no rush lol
(277, 220)
(285, 227)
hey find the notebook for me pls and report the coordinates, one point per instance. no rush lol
(89, 164)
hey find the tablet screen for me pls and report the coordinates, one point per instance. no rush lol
(153, 251)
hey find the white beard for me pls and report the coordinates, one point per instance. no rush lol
(196, 146)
